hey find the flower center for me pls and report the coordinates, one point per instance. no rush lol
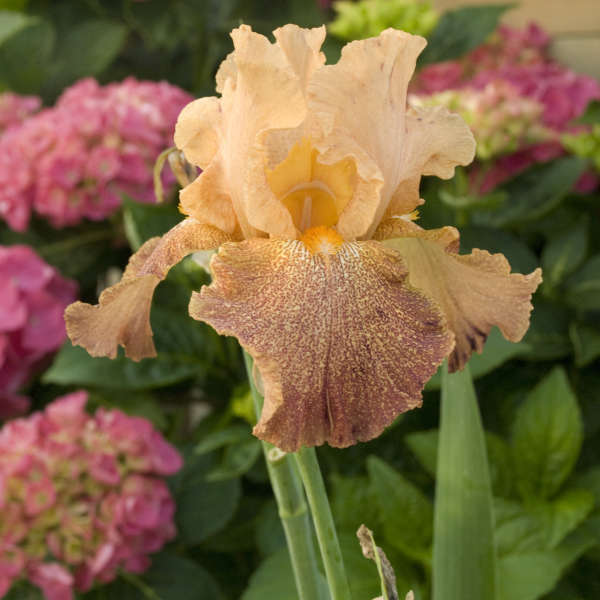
(315, 194)
(322, 240)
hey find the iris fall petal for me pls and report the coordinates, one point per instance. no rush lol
(122, 316)
(342, 343)
(475, 291)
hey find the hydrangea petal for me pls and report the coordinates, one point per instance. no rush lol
(122, 316)
(475, 291)
(342, 344)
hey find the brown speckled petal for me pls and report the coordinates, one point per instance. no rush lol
(343, 345)
(475, 291)
(122, 316)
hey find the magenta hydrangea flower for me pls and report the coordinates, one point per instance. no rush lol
(14, 109)
(518, 58)
(32, 302)
(81, 496)
(75, 161)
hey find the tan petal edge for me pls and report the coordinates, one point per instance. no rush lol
(122, 316)
(343, 345)
(447, 237)
(475, 291)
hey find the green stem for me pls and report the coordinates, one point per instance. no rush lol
(293, 511)
(324, 525)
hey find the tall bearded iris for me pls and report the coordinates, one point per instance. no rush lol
(310, 179)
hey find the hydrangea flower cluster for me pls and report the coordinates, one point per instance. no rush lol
(75, 160)
(14, 109)
(503, 120)
(81, 497)
(32, 302)
(520, 59)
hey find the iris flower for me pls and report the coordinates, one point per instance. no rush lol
(309, 185)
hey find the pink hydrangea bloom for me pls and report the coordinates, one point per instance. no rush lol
(14, 109)
(32, 302)
(86, 490)
(517, 58)
(75, 160)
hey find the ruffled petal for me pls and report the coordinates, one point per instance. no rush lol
(343, 345)
(122, 316)
(207, 199)
(196, 130)
(436, 142)
(360, 107)
(475, 291)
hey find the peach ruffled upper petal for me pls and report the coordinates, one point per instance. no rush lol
(475, 291)
(436, 142)
(343, 345)
(359, 105)
(263, 88)
(122, 316)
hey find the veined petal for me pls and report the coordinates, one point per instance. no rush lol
(475, 291)
(360, 107)
(343, 345)
(122, 316)
(436, 142)
(302, 48)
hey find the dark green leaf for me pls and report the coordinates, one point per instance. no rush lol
(26, 57)
(11, 22)
(497, 350)
(586, 343)
(233, 434)
(548, 335)
(85, 51)
(583, 287)
(424, 445)
(274, 579)
(461, 30)
(404, 509)
(170, 577)
(203, 507)
(564, 253)
(353, 502)
(269, 533)
(546, 437)
(237, 460)
(519, 255)
(530, 576)
(143, 221)
(590, 480)
(183, 347)
(534, 193)
(592, 113)
(464, 562)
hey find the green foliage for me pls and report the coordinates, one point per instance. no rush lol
(461, 30)
(546, 438)
(368, 18)
(406, 512)
(204, 507)
(534, 193)
(463, 506)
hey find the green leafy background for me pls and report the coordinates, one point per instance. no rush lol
(539, 399)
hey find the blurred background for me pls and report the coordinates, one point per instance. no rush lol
(89, 94)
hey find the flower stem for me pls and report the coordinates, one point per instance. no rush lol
(293, 510)
(324, 525)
